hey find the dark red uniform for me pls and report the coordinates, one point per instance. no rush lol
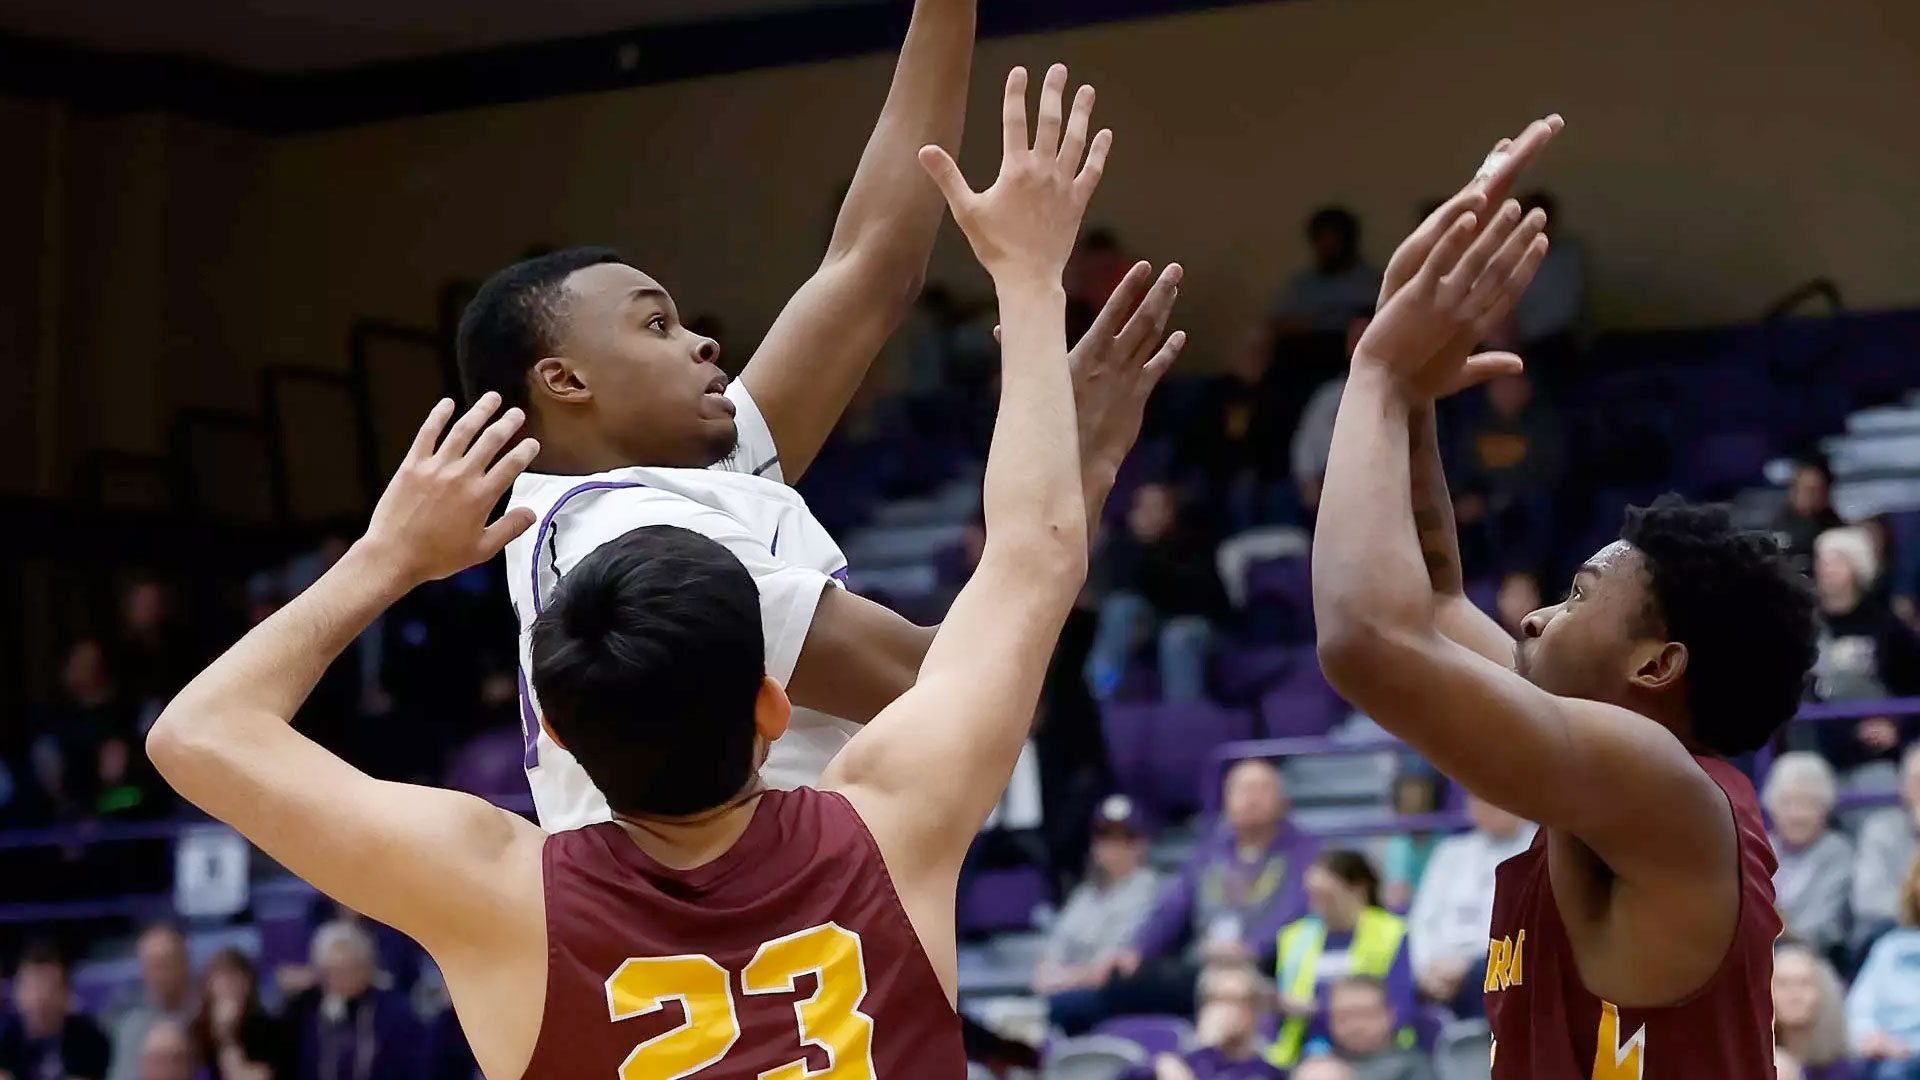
(787, 957)
(1546, 1026)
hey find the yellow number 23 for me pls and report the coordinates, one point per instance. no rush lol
(830, 1019)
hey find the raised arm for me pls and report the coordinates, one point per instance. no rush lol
(927, 771)
(817, 352)
(445, 868)
(1618, 781)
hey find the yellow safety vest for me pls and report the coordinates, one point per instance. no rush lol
(1376, 944)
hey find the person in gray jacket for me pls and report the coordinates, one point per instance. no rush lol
(1814, 883)
(1889, 842)
(1102, 915)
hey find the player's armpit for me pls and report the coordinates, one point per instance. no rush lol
(1620, 782)
(858, 657)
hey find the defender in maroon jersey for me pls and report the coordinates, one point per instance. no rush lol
(1634, 940)
(714, 929)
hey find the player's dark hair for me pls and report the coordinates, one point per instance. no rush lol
(514, 321)
(1744, 613)
(1354, 869)
(647, 665)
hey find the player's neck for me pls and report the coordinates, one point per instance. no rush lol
(686, 843)
(571, 456)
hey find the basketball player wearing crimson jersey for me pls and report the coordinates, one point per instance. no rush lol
(715, 928)
(1634, 940)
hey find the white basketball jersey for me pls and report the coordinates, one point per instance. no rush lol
(743, 503)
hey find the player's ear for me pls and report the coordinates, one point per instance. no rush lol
(559, 378)
(771, 709)
(1658, 665)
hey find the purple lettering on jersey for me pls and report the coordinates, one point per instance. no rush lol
(529, 723)
(839, 575)
(546, 527)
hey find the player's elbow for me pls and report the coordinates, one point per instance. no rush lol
(1352, 651)
(170, 745)
(888, 272)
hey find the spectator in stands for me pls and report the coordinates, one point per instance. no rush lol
(1361, 1028)
(1809, 1013)
(1514, 455)
(166, 1053)
(1899, 581)
(1347, 932)
(354, 1029)
(1313, 435)
(1883, 1008)
(1104, 913)
(233, 1032)
(165, 994)
(69, 735)
(1547, 318)
(48, 1041)
(1161, 581)
(1234, 1003)
(1888, 843)
(152, 653)
(1447, 926)
(1815, 874)
(1519, 596)
(1415, 791)
(1336, 287)
(1226, 907)
(1808, 511)
(1233, 437)
(1866, 652)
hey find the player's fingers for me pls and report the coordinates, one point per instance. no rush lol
(430, 429)
(1162, 360)
(1484, 367)
(1452, 244)
(460, 436)
(1121, 305)
(1053, 89)
(1510, 157)
(1460, 281)
(946, 176)
(1096, 165)
(487, 446)
(510, 466)
(1497, 275)
(1075, 144)
(1412, 252)
(501, 533)
(1149, 323)
(1013, 115)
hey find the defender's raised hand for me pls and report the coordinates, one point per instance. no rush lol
(1026, 223)
(1116, 365)
(432, 519)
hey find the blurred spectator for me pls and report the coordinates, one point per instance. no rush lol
(152, 654)
(1323, 1067)
(1161, 582)
(1514, 454)
(166, 1053)
(1346, 933)
(1235, 1002)
(1889, 841)
(1360, 1025)
(1447, 926)
(1808, 511)
(48, 1041)
(1336, 287)
(1407, 854)
(355, 1030)
(1899, 581)
(71, 733)
(1102, 915)
(1226, 907)
(1548, 316)
(165, 993)
(1235, 435)
(233, 1033)
(1866, 652)
(1313, 436)
(1809, 1013)
(1815, 875)
(1883, 1008)
(1519, 596)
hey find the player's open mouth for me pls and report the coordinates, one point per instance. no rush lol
(717, 390)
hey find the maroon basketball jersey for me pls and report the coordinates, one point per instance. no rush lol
(788, 957)
(1547, 1026)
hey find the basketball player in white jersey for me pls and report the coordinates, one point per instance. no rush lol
(639, 427)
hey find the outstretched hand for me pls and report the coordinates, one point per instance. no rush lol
(1120, 359)
(1026, 223)
(1454, 369)
(431, 522)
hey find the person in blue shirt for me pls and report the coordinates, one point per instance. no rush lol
(1883, 1008)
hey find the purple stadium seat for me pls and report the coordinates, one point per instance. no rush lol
(1154, 1034)
(1128, 728)
(1302, 703)
(1280, 594)
(1183, 737)
(490, 764)
(1001, 900)
(1242, 674)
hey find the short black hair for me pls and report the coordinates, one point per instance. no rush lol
(1355, 869)
(1745, 614)
(1337, 219)
(513, 321)
(647, 665)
